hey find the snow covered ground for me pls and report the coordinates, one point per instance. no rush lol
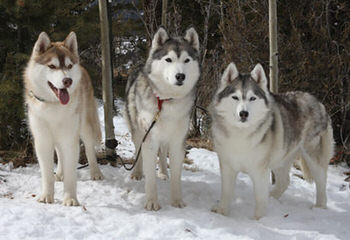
(113, 208)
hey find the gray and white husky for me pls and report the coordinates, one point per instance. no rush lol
(167, 81)
(61, 110)
(255, 131)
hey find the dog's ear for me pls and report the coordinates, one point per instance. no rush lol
(191, 36)
(229, 75)
(258, 74)
(42, 44)
(71, 43)
(160, 37)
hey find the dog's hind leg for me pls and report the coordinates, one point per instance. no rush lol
(90, 152)
(319, 174)
(317, 154)
(228, 179)
(59, 170)
(163, 164)
(90, 134)
(282, 179)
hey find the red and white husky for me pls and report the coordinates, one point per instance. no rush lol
(61, 111)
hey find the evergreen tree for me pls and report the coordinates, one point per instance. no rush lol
(21, 22)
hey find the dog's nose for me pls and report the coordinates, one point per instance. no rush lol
(67, 82)
(243, 114)
(180, 77)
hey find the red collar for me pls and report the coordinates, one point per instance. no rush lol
(160, 102)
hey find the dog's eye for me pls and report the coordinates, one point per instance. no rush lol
(235, 98)
(168, 60)
(252, 99)
(187, 60)
(70, 66)
(52, 66)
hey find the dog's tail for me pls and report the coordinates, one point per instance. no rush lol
(327, 146)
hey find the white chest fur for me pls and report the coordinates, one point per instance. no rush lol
(55, 116)
(242, 151)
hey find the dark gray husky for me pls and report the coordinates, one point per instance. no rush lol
(166, 84)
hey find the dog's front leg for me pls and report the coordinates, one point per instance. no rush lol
(149, 156)
(137, 173)
(68, 150)
(44, 149)
(144, 121)
(177, 155)
(228, 179)
(261, 190)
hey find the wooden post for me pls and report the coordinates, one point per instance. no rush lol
(164, 12)
(273, 46)
(109, 14)
(107, 95)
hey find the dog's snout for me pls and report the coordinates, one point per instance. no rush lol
(243, 114)
(180, 77)
(67, 82)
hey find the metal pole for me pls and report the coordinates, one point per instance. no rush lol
(107, 95)
(273, 46)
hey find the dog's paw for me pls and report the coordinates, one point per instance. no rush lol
(59, 177)
(152, 205)
(275, 194)
(259, 213)
(257, 217)
(220, 210)
(178, 203)
(96, 175)
(322, 206)
(69, 201)
(46, 198)
(163, 176)
(136, 176)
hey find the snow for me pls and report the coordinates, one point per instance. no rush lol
(113, 208)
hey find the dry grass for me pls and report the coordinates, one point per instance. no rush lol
(18, 158)
(200, 143)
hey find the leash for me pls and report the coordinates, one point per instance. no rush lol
(112, 143)
(155, 118)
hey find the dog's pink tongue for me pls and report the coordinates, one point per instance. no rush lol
(63, 96)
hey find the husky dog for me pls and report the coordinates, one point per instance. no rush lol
(61, 110)
(255, 131)
(166, 82)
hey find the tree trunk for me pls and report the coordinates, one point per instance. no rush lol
(273, 53)
(273, 46)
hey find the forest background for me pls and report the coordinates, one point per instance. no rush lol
(313, 40)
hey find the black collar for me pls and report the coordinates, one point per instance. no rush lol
(36, 97)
